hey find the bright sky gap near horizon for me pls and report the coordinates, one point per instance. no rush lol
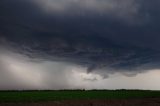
(79, 44)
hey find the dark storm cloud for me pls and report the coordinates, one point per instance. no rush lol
(120, 35)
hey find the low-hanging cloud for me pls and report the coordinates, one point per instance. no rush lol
(76, 33)
(94, 42)
(18, 72)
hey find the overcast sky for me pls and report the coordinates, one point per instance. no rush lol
(79, 44)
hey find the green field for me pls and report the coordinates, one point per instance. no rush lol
(35, 96)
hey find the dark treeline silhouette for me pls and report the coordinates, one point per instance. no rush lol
(76, 90)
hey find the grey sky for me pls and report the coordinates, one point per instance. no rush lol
(91, 44)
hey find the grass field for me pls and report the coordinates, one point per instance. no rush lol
(36, 96)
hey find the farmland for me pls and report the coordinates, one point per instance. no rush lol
(35, 96)
(85, 97)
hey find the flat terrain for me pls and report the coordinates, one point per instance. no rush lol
(106, 102)
(80, 98)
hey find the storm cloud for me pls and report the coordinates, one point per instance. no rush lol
(119, 8)
(101, 37)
